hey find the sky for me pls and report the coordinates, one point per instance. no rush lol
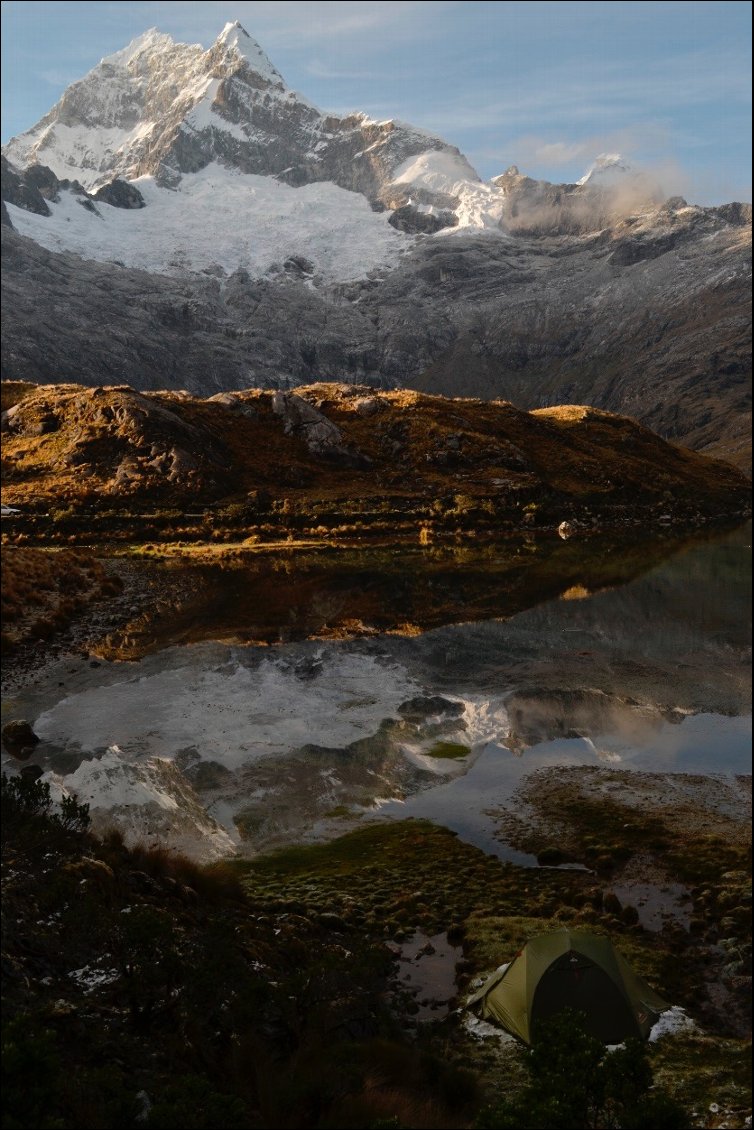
(543, 85)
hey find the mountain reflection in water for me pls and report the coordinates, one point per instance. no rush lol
(228, 743)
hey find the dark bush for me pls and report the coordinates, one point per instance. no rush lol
(575, 1082)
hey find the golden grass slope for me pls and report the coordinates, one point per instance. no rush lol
(68, 445)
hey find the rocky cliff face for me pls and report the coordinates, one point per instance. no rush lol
(183, 219)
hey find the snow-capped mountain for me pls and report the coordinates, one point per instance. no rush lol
(183, 218)
(163, 110)
(238, 171)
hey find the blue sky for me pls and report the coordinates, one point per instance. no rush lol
(546, 86)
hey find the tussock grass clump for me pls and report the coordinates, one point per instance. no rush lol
(215, 883)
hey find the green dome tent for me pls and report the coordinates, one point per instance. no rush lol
(570, 970)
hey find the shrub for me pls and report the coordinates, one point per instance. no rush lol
(61, 514)
(32, 1074)
(190, 1102)
(24, 801)
(574, 1082)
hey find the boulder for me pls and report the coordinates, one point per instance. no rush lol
(322, 437)
(120, 194)
(18, 737)
(16, 190)
(367, 406)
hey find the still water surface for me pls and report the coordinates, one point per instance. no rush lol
(436, 682)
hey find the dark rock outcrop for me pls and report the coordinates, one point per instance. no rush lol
(411, 220)
(19, 738)
(44, 180)
(17, 190)
(120, 194)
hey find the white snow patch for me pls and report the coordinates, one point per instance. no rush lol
(91, 978)
(226, 218)
(671, 1023)
(483, 1030)
(436, 170)
(479, 205)
(83, 153)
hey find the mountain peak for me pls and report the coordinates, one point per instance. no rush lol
(233, 31)
(235, 37)
(606, 169)
(148, 41)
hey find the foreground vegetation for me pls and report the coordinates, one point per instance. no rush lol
(140, 989)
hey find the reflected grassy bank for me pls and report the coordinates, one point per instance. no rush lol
(246, 596)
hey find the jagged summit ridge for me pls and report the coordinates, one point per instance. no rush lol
(143, 44)
(167, 110)
(234, 38)
(126, 116)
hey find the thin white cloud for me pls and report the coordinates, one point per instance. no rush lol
(56, 77)
(318, 69)
(612, 95)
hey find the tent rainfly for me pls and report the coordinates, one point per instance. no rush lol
(570, 970)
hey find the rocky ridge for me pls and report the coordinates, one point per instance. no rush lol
(303, 460)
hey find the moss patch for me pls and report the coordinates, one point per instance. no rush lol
(452, 750)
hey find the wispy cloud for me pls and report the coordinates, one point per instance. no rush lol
(612, 94)
(58, 77)
(297, 23)
(318, 69)
(650, 137)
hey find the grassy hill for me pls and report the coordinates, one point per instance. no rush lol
(341, 459)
